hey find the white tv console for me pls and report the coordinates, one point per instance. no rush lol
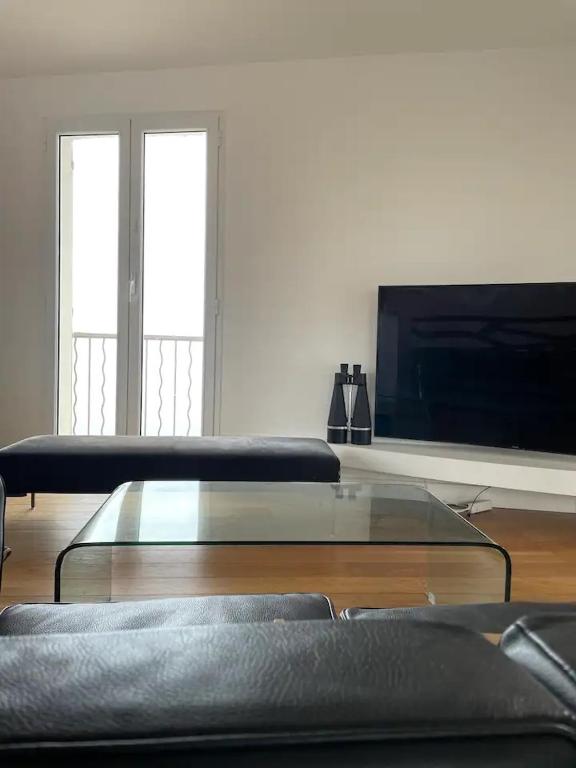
(518, 471)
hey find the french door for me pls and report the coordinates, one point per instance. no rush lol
(136, 237)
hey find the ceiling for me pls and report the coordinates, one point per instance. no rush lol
(40, 37)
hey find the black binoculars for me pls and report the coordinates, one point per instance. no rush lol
(350, 412)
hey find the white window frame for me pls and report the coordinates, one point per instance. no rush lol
(131, 130)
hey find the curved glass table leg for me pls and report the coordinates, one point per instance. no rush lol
(467, 574)
(84, 575)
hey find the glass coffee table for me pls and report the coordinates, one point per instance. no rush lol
(362, 540)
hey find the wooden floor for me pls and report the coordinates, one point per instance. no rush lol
(542, 547)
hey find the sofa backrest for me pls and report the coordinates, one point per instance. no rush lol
(291, 694)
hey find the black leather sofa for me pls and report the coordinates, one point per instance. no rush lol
(275, 680)
(487, 618)
(170, 613)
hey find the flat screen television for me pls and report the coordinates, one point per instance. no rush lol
(491, 365)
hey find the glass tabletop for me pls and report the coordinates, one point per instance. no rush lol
(203, 512)
(159, 538)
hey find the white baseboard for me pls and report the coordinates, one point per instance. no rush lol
(459, 493)
(518, 479)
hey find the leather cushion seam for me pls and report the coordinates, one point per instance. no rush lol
(420, 732)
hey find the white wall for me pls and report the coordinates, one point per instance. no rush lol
(339, 175)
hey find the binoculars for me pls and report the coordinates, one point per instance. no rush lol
(349, 408)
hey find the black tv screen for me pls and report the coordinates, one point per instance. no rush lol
(490, 365)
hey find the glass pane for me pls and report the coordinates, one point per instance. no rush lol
(204, 511)
(351, 575)
(88, 226)
(174, 263)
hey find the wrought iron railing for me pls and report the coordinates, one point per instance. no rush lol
(170, 388)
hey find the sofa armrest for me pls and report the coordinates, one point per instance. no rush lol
(546, 647)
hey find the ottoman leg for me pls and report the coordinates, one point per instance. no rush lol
(32, 500)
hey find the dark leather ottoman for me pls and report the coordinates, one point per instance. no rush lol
(48, 618)
(61, 464)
